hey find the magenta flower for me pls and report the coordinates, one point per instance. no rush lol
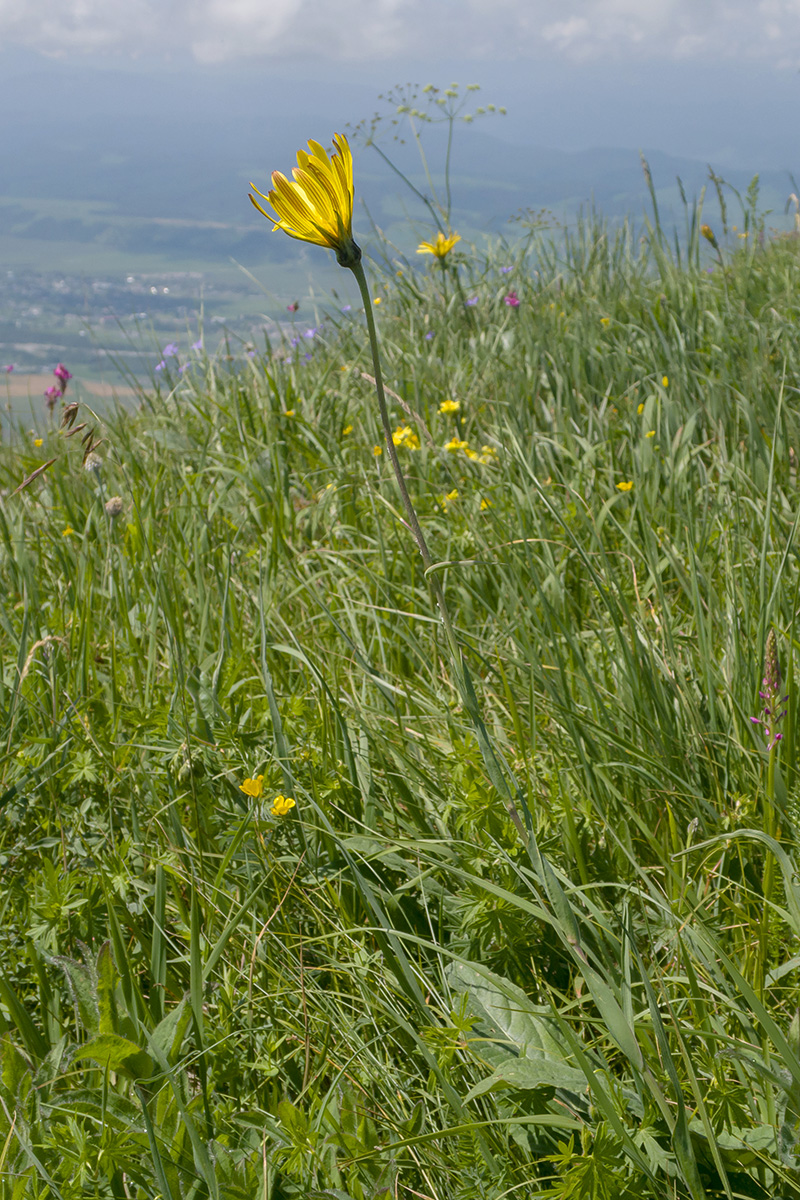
(52, 396)
(512, 300)
(9, 367)
(63, 376)
(293, 307)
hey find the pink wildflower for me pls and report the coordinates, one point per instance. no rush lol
(63, 376)
(512, 300)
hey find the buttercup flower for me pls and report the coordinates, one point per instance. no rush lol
(441, 247)
(281, 806)
(665, 381)
(404, 435)
(253, 787)
(625, 486)
(455, 444)
(318, 206)
(448, 406)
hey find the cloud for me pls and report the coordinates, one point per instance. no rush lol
(342, 30)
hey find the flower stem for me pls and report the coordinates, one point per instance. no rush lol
(499, 772)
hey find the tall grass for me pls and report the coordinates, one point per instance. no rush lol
(407, 987)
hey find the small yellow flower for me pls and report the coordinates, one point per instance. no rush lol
(377, 300)
(347, 429)
(377, 451)
(253, 787)
(708, 234)
(67, 531)
(455, 444)
(488, 454)
(605, 320)
(318, 206)
(441, 247)
(281, 806)
(448, 406)
(289, 412)
(650, 433)
(404, 435)
(640, 409)
(38, 442)
(625, 486)
(665, 381)
(451, 497)
(485, 504)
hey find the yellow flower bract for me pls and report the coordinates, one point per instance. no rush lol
(318, 206)
(441, 247)
(281, 805)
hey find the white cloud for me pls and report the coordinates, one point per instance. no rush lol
(224, 30)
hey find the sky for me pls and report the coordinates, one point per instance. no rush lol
(711, 80)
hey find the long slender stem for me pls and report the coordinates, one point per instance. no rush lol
(498, 772)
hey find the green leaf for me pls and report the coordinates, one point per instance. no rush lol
(531, 1073)
(116, 1053)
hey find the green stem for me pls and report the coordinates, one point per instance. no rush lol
(498, 772)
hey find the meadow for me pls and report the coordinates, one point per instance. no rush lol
(411, 982)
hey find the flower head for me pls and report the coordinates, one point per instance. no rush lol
(9, 367)
(708, 234)
(253, 787)
(281, 805)
(318, 206)
(455, 444)
(114, 506)
(772, 712)
(625, 485)
(665, 380)
(63, 376)
(512, 300)
(441, 247)
(448, 406)
(404, 435)
(52, 395)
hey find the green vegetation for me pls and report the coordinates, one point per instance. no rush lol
(404, 986)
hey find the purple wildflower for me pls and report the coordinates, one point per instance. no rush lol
(505, 270)
(170, 350)
(251, 353)
(709, 270)
(183, 368)
(311, 333)
(293, 307)
(160, 366)
(63, 376)
(51, 396)
(429, 335)
(473, 300)
(9, 367)
(306, 358)
(772, 712)
(512, 300)
(347, 308)
(198, 345)
(295, 341)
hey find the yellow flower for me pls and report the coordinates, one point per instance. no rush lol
(665, 381)
(38, 442)
(347, 429)
(404, 435)
(625, 487)
(450, 498)
(377, 451)
(66, 532)
(708, 234)
(441, 247)
(640, 409)
(488, 454)
(485, 504)
(253, 787)
(455, 444)
(605, 320)
(650, 433)
(448, 406)
(318, 206)
(281, 806)
(377, 300)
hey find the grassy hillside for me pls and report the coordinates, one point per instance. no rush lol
(404, 985)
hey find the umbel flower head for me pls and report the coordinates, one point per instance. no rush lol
(318, 206)
(441, 247)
